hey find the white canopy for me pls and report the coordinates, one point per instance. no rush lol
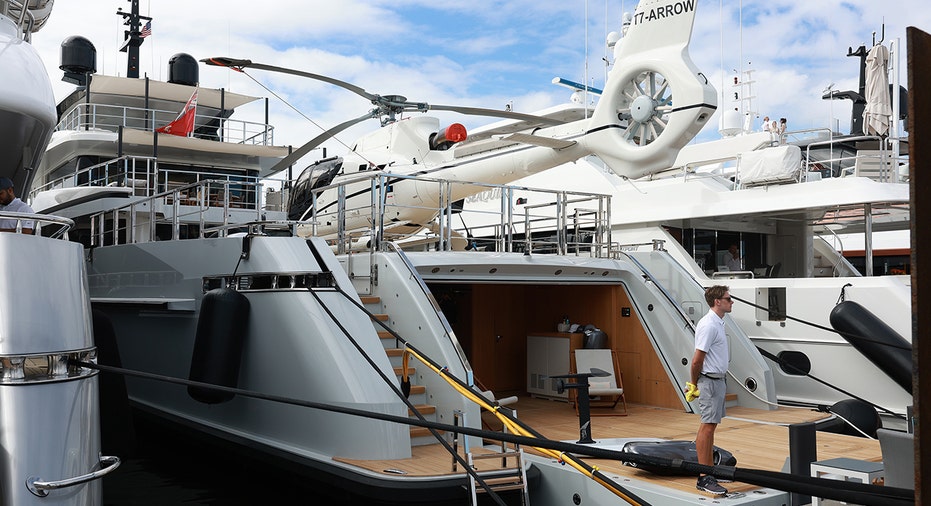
(878, 111)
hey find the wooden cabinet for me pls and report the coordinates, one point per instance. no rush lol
(549, 354)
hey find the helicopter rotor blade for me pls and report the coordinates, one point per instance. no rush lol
(387, 103)
(237, 64)
(316, 141)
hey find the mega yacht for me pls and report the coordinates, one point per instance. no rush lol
(49, 419)
(818, 222)
(324, 345)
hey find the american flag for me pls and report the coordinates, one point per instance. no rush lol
(146, 30)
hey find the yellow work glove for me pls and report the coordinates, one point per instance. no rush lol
(691, 392)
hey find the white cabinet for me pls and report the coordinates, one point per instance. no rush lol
(548, 355)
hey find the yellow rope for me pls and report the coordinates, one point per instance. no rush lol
(514, 427)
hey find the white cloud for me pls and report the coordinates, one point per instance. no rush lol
(484, 53)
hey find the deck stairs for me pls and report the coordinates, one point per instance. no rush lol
(731, 401)
(822, 267)
(419, 396)
(512, 478)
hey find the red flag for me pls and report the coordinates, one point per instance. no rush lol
(183, 125)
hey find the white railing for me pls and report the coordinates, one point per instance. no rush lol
(498, 217)
(37, 222)
(93, 116)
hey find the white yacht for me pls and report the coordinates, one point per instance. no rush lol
(49, 419)
(298, 349)
(816, 217)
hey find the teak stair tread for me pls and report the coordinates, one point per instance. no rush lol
(370, 299)
(500, 488)
(424, 409)
(496, 455)
(423, 432)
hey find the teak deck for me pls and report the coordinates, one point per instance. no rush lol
(758, 439)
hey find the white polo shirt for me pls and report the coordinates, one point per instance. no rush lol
(711, 339)
(16, 206)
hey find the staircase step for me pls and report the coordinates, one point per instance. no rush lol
(730, 400)
(422, 432)
(501, 488)
(384, 334)
(395, 352)
(424, 409)
(370, 299)
(400, 370)
(498, 455)
(380, 317)
(497, 483)
(418, 389)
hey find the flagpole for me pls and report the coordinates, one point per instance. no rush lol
(134, 36)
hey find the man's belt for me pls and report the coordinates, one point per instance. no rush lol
(713, 375)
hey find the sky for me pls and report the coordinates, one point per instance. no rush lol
(482, 53)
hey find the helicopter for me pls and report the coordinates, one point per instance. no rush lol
(654, 102)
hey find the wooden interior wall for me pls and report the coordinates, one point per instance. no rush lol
(637, 359)
(499, 337)
(645, 380)
(514, 311)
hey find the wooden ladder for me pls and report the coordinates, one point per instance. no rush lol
(512, 477)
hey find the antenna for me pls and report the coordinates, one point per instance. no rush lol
(133, 36)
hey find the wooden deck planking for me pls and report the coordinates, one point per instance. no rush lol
(755, 444)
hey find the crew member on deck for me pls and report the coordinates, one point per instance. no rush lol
(708, 370)
(11, 203)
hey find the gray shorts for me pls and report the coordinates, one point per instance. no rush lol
(711, 400)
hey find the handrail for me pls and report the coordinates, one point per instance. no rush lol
(201, 202)
(41, 488)
(433, 303)
(502, 223)
(129, 173)
(669, 298)
(27, 20)
(888, 172)
(64, 224)
(109, 117)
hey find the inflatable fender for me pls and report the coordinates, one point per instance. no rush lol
(875, 340)
(218, 345)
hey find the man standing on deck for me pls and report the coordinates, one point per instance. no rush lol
(709, 367)
(10, 202)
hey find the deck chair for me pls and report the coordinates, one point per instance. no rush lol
(898, 450)
(609, 390)
(489, 421)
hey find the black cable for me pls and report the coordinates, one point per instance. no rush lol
(413, 409)
(783, 363)
(817, 326)
(861, 493)
(445, 371)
